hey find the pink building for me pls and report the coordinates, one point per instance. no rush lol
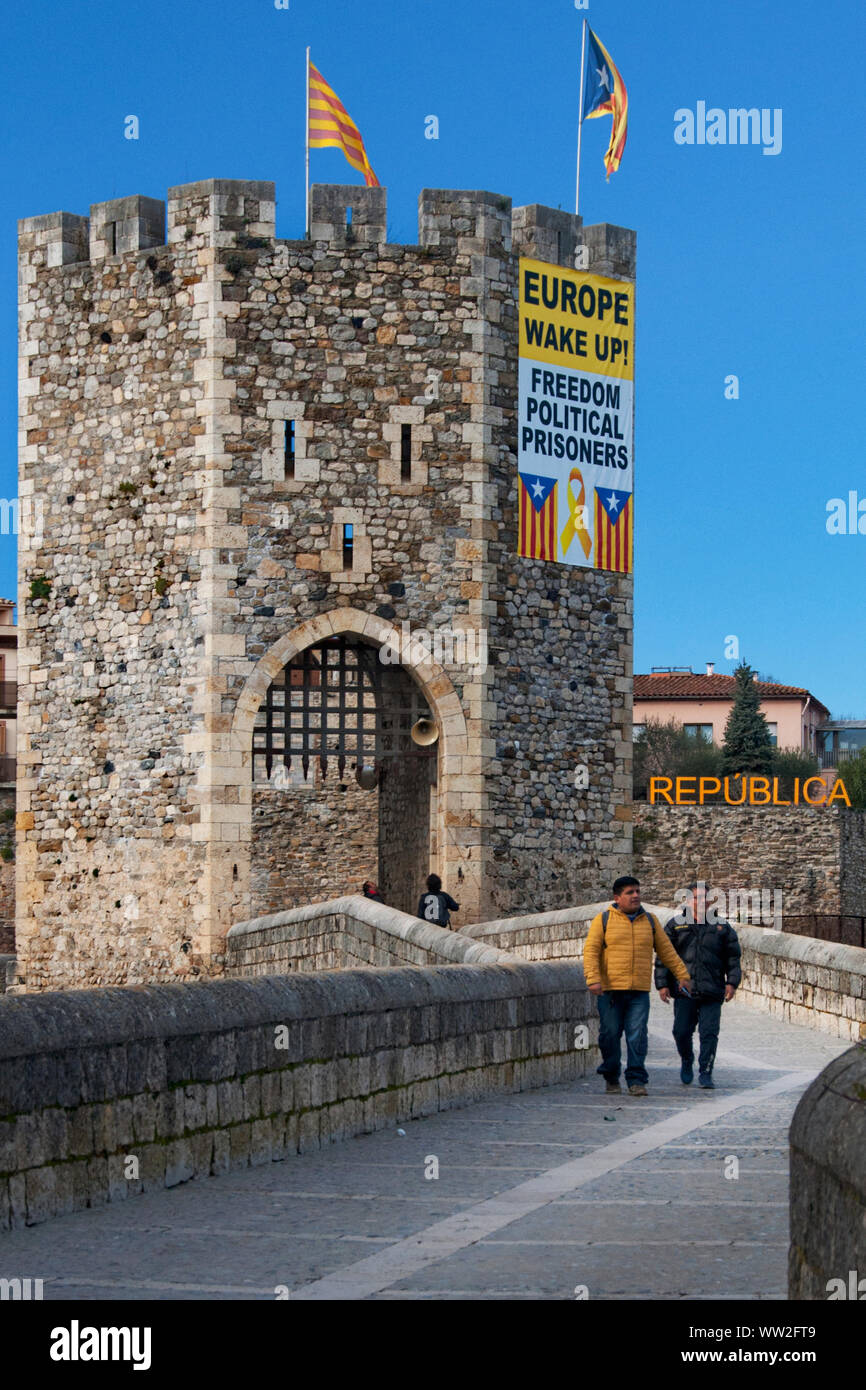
(702, 704)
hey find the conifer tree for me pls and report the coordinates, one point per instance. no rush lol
(747, 746)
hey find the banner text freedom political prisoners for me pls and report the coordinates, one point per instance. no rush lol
(575, 419)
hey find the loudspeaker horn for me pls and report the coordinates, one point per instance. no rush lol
(424, 732)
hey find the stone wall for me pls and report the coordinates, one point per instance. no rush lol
(348, 932)
(852, 893)
(7, 907)
(827, 1256)
(815, 983)
(112, 658)
(815, 855)
(555, 935)
(7, 870)
(560, 680)
(204, 1078)
(184, 561)
(311, 843)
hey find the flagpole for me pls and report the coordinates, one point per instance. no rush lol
(307, 154)
(580, 122)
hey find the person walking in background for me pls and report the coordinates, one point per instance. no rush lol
(435, 905)
(371, 891)
(618, 964)
(710, 948)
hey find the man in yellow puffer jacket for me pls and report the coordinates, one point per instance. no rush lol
(618, 965)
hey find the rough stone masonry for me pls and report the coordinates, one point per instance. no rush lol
(180, 563)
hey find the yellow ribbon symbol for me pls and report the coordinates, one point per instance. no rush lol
(577, 512)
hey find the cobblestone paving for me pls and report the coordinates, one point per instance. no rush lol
(538, 1195)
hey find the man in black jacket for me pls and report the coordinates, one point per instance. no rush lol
(435, 905)
(710, 949)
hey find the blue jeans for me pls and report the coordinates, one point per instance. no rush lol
(623, 1011)
(706, 1015)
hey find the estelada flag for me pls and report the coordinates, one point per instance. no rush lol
(331, 124)
(537, 519)
(604, 91)
(613, 530)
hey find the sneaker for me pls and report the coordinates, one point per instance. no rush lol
(613, 1088)
(637, 1090)
(687, 1073)
(706, 1080)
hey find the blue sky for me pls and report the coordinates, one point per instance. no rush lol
(747, 264)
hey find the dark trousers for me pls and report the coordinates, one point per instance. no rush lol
(706, 1016)
(623, 1011)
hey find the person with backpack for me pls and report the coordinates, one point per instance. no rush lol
(710, 948)
(618, 965)
(436, 906)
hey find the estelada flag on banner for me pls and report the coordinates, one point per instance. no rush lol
(537, 520)
(613, 530)
(331, 124)
(604, 92)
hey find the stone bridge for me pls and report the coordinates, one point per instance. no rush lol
(445, 1133)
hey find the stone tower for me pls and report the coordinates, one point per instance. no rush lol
(245, 450)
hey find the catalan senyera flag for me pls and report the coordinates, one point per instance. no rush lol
(613, 530)
(331, 124)
(537, 519)
(604, 92)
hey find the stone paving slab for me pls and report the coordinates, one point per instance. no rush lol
(537, 1194)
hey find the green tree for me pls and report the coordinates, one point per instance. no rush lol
(853, 774)
(666, 750)
(791, 763)
(747, 746)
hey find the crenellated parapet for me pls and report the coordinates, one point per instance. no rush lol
(230, 213)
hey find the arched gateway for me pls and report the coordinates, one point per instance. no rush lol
(319, 707)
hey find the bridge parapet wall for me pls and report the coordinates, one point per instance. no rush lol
(815, 983)
(203, 1078)
(347, 932)
(555, 935)
(827, 1255)
(819, 984)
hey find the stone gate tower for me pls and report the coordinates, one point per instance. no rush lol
(255, 465)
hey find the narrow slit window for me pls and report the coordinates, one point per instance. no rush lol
(348, 222)
(405, 453)
(113, 237)
(348, 546)
(289, 449)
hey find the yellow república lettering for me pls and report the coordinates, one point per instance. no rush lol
(662, 790)
(839, 788)
(759, 784)
(807, 784)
